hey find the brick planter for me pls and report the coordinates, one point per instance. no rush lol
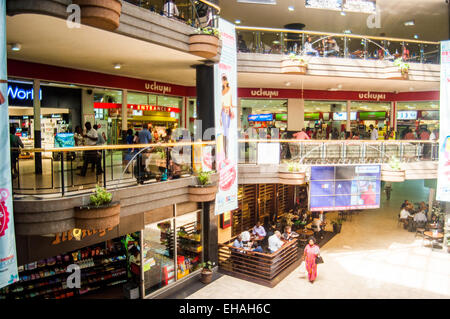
(200, 193)
(204, 45)
(94, 218)
(103, 14)
(289, 66)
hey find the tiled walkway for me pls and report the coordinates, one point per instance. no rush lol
(371, 258)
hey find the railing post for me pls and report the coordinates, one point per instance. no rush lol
(344, 150)
(401, 151)
(365, 49)
(104, 168)
(323, 155)
(62, 173)
(345, 47)
(421, 52)
(282, 42)
(363, 152)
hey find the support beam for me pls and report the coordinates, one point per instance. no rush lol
(205, 99)
(37, 126)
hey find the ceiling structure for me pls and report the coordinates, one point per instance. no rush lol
(430, 18)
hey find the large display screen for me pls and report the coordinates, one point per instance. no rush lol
(342, 116)
(372, 115)
(345, 187)
(407, 115)
(312, 116)
(429, 115)
(260, 117)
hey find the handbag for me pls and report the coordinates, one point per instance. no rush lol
(319, 260)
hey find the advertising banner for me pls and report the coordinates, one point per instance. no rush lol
(443, 186)
(8, 257)
(226, 113)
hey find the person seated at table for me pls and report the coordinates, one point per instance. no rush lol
(259, 230)
(420, 217)
(404, 215)
(288, 233)
(309, 50)
(238, 243)
(275, 242)
(332, 48)
(170, 9)
(317, 228)
(423, 207)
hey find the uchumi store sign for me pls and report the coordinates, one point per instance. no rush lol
(155, 87)
(264, 93)
(372, 96)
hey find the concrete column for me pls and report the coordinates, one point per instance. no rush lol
(296, 114)
(37, 126)
(184, 113)
(87, 106)
(124, 115)
(210, 233)
(205, 97)
(393, 119)
(349, 113)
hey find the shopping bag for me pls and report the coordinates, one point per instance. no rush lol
(302, 270)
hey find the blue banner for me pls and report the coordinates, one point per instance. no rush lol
(8, 258)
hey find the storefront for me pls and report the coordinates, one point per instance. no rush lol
(417, 115)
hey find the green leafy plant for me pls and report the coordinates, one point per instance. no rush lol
(204, 178)
(100, 197)
(295, 57)
(288, 219)
(209, 31)
(293, 167)
(394, 163)
(402, 65)
(207, 265)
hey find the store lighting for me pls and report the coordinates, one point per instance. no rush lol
(291, 8)
(237, 21)
(343, 13)
(416, 36)
(348, 31)
(16, 46)
(117, 66)
(409, 23)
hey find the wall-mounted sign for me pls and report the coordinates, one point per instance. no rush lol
(281, 117)
(225, 220)
(312, 116)
(139, 107)
(265, 93)
(372, 116)
(407, 115)
(342, 116)
(260, 117)
(78, 234)
(16, 92)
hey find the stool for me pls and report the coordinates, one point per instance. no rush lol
(420, 231)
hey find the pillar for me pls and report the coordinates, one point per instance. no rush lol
(124, 115)
(393, 117)
(37, 126)
(205, 99)
(296, 114)
(210, 232)
(431, 197)
(349, 113)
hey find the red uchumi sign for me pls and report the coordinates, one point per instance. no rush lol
(372, 96)
(140, 107)
(264, 93)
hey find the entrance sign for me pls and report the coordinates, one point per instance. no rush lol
(8, 257)
(226, 112)
(443, 186)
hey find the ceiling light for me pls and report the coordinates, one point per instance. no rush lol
(16, 46)
(343, 13)
(416, 36)
(409, 23)
(287, 83)
(291, 8)
(339, 86)
(347, 31)
(237, 21)
(117, 66)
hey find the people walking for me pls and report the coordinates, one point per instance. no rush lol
(90, 139)
(15, 143)
(310, 254)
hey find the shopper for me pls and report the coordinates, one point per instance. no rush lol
(373, 133)
(78, 136)
(310, 254)
(144, 136)
(275, 242)
(15, 143)
(302, 135)
(409, 135)
(101, 139)
(129, 152)
(90, 139)
(309, 50)
(259, 230)
(170, 9)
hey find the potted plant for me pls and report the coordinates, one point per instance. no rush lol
(393, 172)
(337, 225)
(103, 14)
(205, 43)
(204, 191)
(206, 274)
(294, 64)
(403, 67)
(101, 212)
(294, 174)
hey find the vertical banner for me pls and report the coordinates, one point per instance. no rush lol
(226, 112)
(8, 260)
(443, 186)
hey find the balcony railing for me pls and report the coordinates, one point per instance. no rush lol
(321, 44)
(314, 152)
(198, 13)
(76, 170)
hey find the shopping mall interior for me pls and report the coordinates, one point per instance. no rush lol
(203, 149)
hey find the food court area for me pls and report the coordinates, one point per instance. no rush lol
(374, 254)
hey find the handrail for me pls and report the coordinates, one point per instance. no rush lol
(335, 141)
(215, 6)
(248, 28)
(112, 147)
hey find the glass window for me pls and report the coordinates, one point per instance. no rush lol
(137, 98)
(409, 106)
(107, 96)
(189, 243)
(170, 101)
(371, 106)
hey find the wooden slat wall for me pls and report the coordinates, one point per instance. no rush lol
(266, 196)
(244, 217)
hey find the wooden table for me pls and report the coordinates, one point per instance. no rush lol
(305, 233)
(433, 226)
(434, 237)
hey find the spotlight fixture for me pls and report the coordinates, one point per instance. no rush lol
(117, 66)
(410, 23)
(237, 21)
(416, 36)
(16, 46)
(291, 8)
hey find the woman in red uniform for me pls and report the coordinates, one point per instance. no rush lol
(311, 252)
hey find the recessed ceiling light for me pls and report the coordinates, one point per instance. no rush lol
(237, 21)
(117, 66)
(347, 31)
(287, 83)
(291, 8)
(16, 46)
(343, 13)
(416, 36)
(409, 23)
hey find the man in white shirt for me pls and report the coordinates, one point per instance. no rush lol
(275, 242)
(373, 133)
(259, 230)
(170, 9)
(90, 139)
(404, 213)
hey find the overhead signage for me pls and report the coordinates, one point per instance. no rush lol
(312, 116)
(406, 115)
(342, 116)
(8, 257)
(443, 185)
(265, 93)
(260, 117)
(281, 117)
(138, 107)
(429, 115)
(372, 115)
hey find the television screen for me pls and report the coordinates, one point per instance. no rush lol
(372, 115)
(64, 140)
(407, 115)
(342, 116)
(260, 117)
(345, 187)
(312, 116)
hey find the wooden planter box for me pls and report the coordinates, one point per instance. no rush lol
(103, 14)
(289, 66)
(94, 218)
(389, 175)
(200, 193)
(292, 178)
(204, 45)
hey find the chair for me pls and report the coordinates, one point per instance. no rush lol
(420, 231)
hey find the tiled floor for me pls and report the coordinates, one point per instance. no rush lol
(371, 258)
